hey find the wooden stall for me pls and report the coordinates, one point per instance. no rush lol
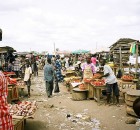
(120, 51)
(6, 56)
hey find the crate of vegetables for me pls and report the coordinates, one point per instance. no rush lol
(98, 83)
(128, 78)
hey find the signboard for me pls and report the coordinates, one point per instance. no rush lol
(132, 59)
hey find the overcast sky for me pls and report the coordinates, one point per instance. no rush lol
(70, 24)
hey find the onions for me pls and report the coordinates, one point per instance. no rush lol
(25, 108)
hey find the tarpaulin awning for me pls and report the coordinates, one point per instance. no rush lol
(80, 52)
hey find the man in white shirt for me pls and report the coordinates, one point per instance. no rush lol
(27, 77)
(111, 82)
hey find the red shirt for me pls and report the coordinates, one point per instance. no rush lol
(5, 117)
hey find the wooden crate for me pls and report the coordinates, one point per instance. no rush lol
(15, 95)
(9, 97)
(18, 122)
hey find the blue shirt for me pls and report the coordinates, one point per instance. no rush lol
(48, 72)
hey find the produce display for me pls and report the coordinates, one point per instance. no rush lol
(82, 87)
(96, 76)
(127, 77)
(9, 73)
(25, 108)
(11, 80)
(87, 80)
(99, 82)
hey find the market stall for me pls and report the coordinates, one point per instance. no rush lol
(120, 52)
(6, 56)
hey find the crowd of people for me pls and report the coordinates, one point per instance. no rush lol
(87, 64)
(53, 68)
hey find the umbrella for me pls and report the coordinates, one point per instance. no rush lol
(80, 51)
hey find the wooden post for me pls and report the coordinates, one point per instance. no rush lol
(120, 57)
(54, 49)
(136, 57)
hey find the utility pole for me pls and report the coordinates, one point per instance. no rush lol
(54, 49)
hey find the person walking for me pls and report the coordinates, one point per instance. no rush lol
(27, 77)
(111, 82)
(49, 77)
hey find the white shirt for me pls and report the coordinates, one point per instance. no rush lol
(111, 79)
(28, 72)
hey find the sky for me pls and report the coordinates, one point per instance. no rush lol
(36, 25)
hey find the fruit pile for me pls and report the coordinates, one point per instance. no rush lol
(87, 80)
(97, 76)
(82, 87)
(127, 77)
(99, 82)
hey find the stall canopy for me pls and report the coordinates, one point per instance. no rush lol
(123, 43)
(63, 52)
(121, 51)
(80, 52)
(6, 49)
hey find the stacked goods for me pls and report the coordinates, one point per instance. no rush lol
(25, 108)
(72, 78)
(82, 87)
(9, 73)
(97, 76)
(99, 82)
(11, 80)
(127, 77)
(20, 83)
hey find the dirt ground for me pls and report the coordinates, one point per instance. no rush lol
(60, 112)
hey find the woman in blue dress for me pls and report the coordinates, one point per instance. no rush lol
(58, 75)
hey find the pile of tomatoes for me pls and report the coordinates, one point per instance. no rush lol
(127, 77)
(99, 82)
(82, 87)
(97, 76)
(87, 80)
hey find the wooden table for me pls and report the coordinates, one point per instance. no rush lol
(90, 89)
(97, 92)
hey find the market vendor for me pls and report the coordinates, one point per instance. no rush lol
(88, 68)
(5, 117)
(111, 82)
